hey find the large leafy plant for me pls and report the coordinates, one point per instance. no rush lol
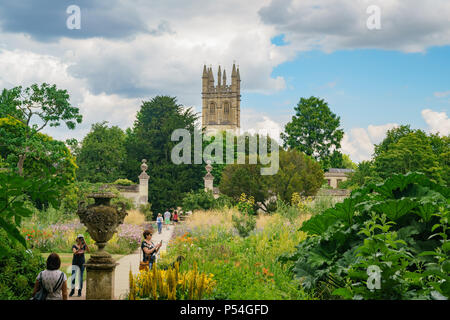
(411, 204)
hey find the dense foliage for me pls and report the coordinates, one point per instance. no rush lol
(18, 270)
(399, 226)
(297, 173)
(102, 154)
(150, 139)
(201, 200)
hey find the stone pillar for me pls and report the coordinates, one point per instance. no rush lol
(100, 281)
(143, 183)
(209, 178)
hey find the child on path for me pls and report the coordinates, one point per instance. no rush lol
(167, 216)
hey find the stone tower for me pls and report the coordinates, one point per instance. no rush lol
(221, 104)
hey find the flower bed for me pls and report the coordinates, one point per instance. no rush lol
(60, 237)
(243, 268)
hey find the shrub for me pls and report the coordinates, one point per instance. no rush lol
(345, 239)
(146, 210)
(199, 200)
(18, 270)
(244, 224)
(124, 182)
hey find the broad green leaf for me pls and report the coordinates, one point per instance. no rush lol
(318, 224)
(343, 292)
(395, 209)
(12, 231)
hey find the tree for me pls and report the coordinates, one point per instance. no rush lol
(314, 130)
(48, 163)
(150, 139)
(364, 173)
(36, 107)
(297, 173)
(43, 152)
(405, 149)
(338, 160)
(245, 178)
(102, 154)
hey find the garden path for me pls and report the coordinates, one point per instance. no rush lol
(121, 279)
(132, 261)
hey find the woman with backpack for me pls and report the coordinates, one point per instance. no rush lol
(51, 284)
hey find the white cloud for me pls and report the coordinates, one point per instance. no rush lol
(359, 142)
(253, 123)
(442, 94)
(436, 121)
(408, 26)
(25, 68)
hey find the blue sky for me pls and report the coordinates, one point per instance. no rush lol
(364, 86)
(128, 51)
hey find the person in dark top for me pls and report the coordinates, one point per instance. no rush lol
(149, 249)
(78, 261)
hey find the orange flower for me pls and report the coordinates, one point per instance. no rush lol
(258, 264)
(265, 271)
(237, 263)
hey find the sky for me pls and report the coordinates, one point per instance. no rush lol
(127, 51)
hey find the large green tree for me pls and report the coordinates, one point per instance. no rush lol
(38, 168)
(150, 139)
(36, 107)
(102, 154)
(314, 130)
(405, 149)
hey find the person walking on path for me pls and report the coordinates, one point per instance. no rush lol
(53, 280)
(175, 216)
(167, 216)
(78, 262)
(149, 249)
(159, 222)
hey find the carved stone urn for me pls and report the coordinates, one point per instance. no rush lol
(101, 220)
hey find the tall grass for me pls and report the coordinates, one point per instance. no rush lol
(244, 268)
(135, 217)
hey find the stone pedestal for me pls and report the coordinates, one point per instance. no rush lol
(100, 270)
(100, 281)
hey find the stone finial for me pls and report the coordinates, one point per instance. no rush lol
(144, 168)
(208, 166)
(209, 178)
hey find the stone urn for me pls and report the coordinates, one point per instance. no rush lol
(101, 220)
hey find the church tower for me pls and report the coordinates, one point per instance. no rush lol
(221, 104)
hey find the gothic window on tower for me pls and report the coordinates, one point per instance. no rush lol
(212, 113)
(226, 111)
